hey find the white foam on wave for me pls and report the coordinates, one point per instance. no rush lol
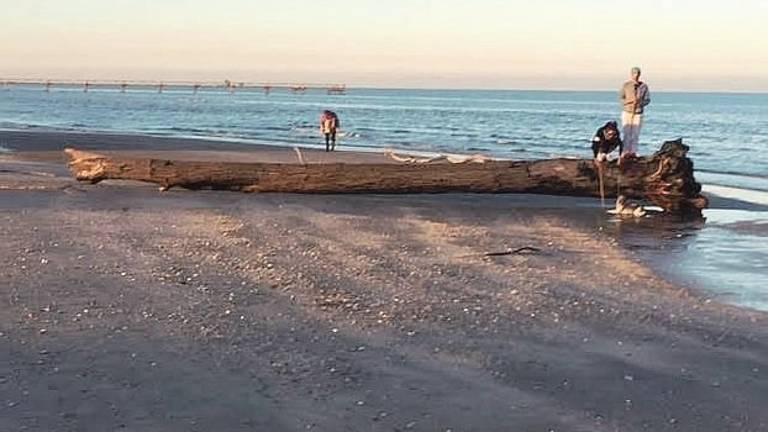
(748, 195)
(741, 181)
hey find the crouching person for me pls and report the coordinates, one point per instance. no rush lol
(607, 139)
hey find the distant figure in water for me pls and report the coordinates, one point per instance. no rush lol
(606, 140)
(634, 97)
(329, 124)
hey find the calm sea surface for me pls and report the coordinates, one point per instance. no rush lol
(727, 133)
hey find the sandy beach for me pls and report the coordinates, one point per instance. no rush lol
(124, 308)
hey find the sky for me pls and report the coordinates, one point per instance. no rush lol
(702, 45)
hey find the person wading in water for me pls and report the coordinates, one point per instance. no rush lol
(329, 124)
(634, 97)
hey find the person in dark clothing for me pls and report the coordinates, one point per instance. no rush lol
(606, 140)
(329, 124)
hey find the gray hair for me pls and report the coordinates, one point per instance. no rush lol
(635, 70)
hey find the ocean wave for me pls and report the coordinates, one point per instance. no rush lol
(173, 129)
(422, 108)
(305, 130)
(742, 194)
(506, 141)
(19, 126)
(10, 125)
(275, 128)
(463, 135)
(482, 97)
(739, 181)
(477, 149)
(733, 173)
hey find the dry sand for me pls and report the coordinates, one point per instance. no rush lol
(127, 309)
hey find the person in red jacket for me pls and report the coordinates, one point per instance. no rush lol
(329, 124)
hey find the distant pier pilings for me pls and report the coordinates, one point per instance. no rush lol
(161, 86)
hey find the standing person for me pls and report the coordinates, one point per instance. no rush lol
(634, 97)
(329, 124)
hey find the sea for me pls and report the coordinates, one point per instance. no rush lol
(726, 255)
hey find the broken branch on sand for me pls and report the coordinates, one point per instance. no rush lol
(527, 250)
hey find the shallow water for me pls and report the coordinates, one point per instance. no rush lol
(731, 254)
(724, 255)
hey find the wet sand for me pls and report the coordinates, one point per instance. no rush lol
(128, 309)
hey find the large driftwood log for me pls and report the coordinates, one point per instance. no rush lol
(665, 179)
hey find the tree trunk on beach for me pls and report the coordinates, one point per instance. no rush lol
(665, 178)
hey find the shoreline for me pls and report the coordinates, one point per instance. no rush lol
(210, 310)
(747, 182)
(743, 186)
(47, 147)
(188, 142)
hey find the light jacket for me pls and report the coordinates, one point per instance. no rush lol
(634, 97)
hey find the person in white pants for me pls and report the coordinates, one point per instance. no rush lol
(634, 97)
